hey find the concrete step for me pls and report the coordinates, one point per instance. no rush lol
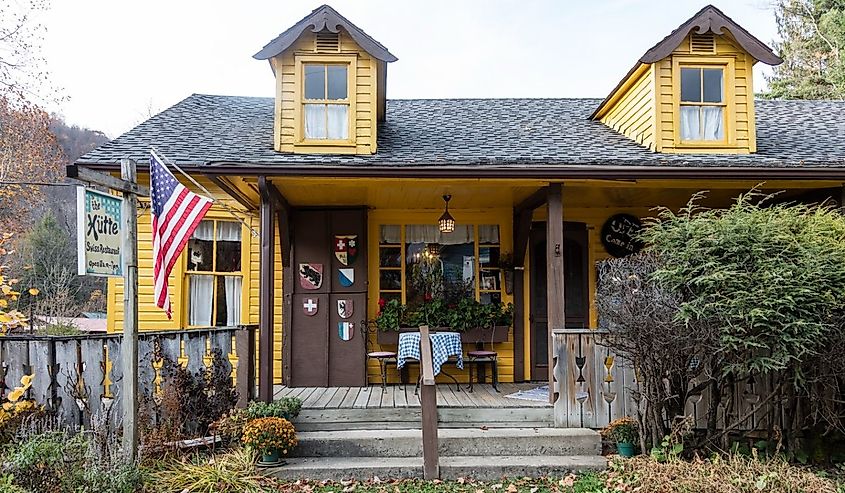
(480, 468)
(453, 442)
(409, 418)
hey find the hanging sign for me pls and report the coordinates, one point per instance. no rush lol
(620, 235)
(99, 219)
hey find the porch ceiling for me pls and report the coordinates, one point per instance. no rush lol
(481, 194)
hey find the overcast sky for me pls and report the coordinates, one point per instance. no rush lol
(120, 61)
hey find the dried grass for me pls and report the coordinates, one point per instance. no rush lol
(733, 474)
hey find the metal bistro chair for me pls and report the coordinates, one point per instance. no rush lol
(481, 357)
(383, 358)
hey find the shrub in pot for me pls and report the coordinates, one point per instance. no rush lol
(271, 437)
(625, 432)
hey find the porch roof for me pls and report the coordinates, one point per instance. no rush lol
(237, 132)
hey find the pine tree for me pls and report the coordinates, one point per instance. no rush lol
(813, 49)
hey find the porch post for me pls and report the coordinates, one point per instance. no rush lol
(266, 288)
(554, 274)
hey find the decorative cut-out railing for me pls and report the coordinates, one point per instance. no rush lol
(594, 386)
(77, 376)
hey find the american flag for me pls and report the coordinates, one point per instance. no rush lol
(176, 213)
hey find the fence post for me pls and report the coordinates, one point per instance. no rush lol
(129, 347)
(245, 349)
(428, 404)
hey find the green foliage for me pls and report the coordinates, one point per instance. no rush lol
(813, 49)
(467, 314)
(59, 329)
(57, 461)
(231, 472)
(286, 407)
(622, 430)
(769, 279)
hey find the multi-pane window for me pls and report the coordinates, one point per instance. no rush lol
(326, 101)
(214, 275)
(418, 258)
(702, 104)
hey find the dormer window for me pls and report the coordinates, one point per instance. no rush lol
(702, 104)
(325, 101)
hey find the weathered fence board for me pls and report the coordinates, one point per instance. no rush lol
(75, 372)
(596, 386)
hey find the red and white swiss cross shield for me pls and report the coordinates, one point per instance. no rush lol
(310, 305)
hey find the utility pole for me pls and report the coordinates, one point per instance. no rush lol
(129, 344)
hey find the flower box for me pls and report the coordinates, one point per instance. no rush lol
(499, 334)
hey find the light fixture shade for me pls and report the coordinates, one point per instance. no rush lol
(446, 221)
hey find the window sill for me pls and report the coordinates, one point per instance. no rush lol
(326, 143)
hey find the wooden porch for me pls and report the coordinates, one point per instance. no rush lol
(396, 407)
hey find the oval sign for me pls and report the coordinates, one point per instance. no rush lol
(619, 235)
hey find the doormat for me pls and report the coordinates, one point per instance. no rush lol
(536, 394)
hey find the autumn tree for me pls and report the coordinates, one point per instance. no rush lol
(813, 48)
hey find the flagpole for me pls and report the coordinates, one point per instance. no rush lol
(166, 161)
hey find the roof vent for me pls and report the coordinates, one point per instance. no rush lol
(327, 41)
(702, 43)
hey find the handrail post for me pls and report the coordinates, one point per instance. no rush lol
(428, 404)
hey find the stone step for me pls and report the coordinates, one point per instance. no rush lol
(453, 442)
(408, 418)
(476, 467)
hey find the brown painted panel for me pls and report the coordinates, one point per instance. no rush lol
(349, 222)
(309, 342)
(347, 361)
(312, 245)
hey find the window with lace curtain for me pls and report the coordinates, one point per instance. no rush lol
(214, 274)
(702, 104)
(326, 101)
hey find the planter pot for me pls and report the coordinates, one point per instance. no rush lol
(497, 334)
(625, 449)
(270, 458)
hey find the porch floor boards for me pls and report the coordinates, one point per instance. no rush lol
(402, 396)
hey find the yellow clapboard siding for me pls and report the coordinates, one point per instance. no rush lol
(632, 114)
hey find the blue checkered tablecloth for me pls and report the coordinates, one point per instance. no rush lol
(443, 345)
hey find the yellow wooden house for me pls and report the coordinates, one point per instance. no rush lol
(556, 185)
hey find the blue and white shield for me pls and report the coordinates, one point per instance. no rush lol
(346, 277)
(345, 330)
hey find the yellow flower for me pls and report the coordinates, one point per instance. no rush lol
(34, 291)
(26, 380)
(16, 394)
(7, 406)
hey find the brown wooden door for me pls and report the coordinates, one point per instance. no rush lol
(576, 296)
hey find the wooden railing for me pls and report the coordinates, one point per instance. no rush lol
(77, 376)
(428, 404)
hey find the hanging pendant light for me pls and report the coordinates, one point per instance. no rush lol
(446, 221)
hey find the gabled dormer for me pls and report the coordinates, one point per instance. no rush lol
(693, 91)
(330, 86)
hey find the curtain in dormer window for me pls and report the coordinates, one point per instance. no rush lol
(702, 104)
(326, 108)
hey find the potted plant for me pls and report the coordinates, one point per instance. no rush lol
(272, 437)
(625, 432)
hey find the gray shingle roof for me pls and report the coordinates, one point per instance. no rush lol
(202, 130)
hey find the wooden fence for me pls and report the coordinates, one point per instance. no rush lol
(77, 376)
(594, 386)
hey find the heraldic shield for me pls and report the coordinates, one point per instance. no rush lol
(310, 306)
(346, 277)
(311, 276)
(345, 330)
(344, 308)
(346, 248)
